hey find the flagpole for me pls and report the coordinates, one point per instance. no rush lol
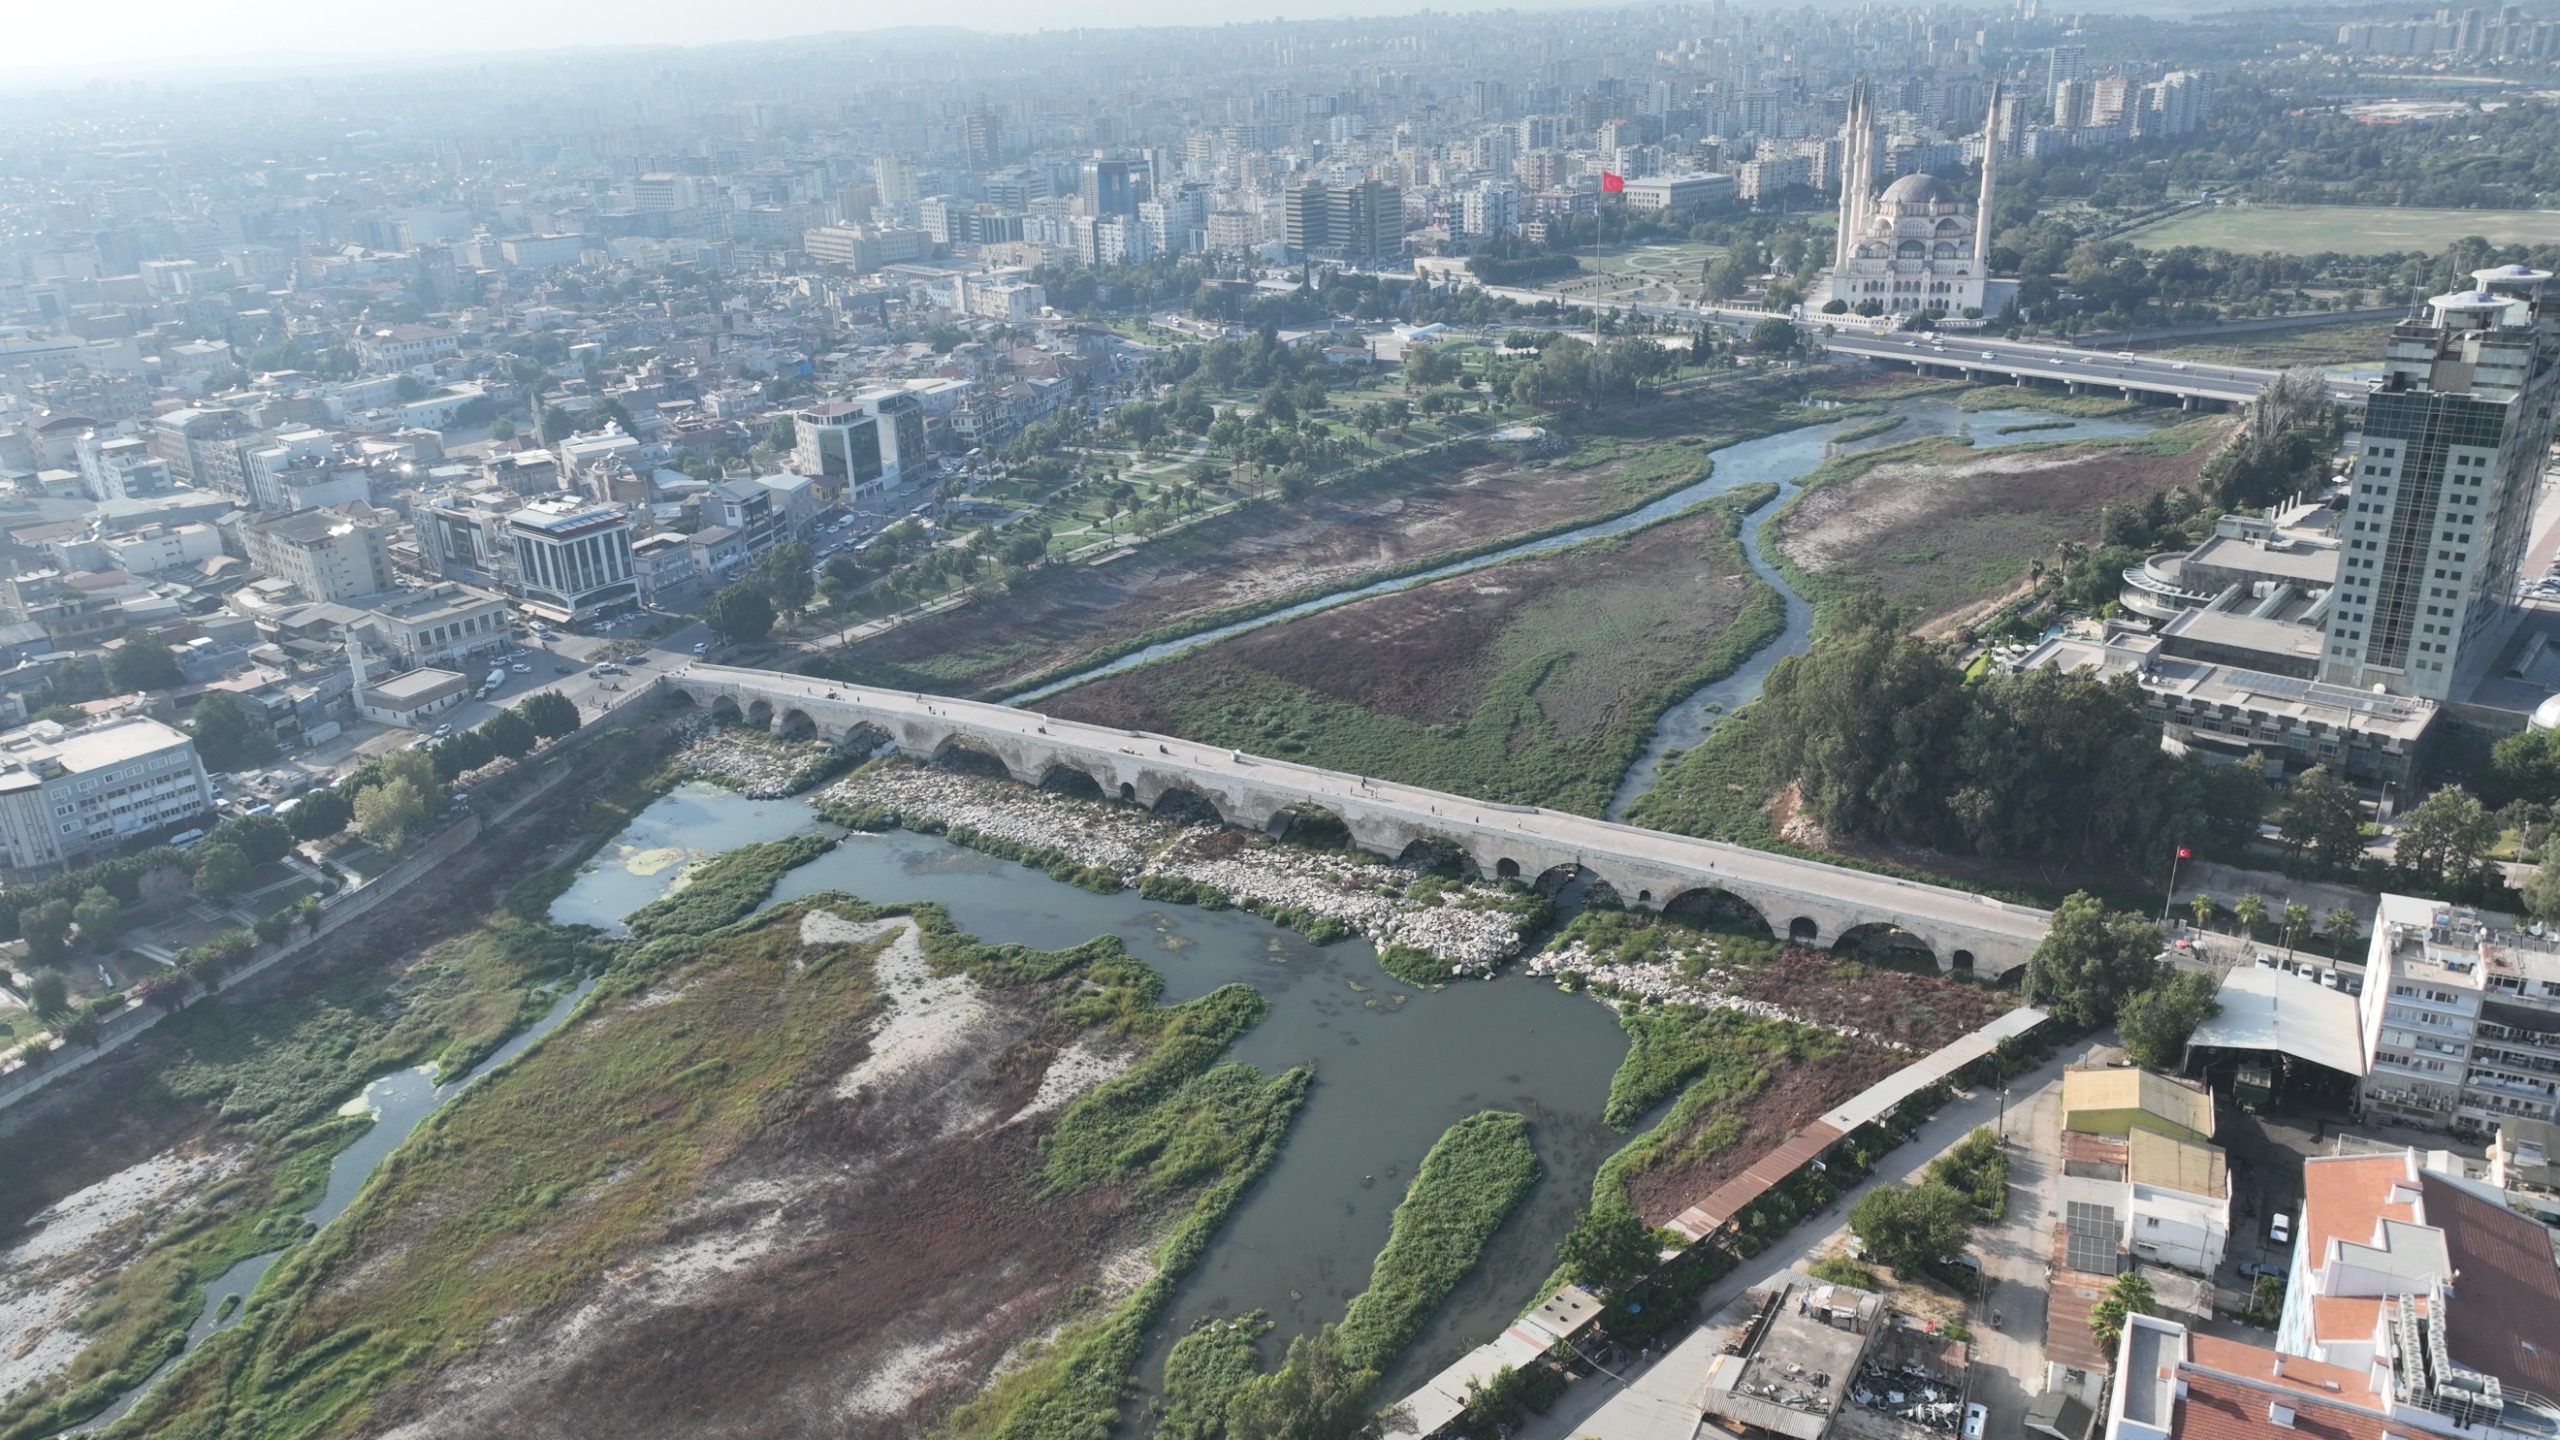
(2171, 898)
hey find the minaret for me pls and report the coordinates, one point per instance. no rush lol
(1982, 207)
(1853, 179)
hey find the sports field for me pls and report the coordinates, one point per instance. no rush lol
(2344, 229)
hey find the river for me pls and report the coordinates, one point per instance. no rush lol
(1784, 460)
(398, 1102)
(1394, 1066)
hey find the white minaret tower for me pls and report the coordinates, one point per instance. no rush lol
(1853, 173)
(1990, 162)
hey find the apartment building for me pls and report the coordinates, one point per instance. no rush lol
(438, 623)
(327, 554)
(2461, 1018)
(2431, 1288)
(64, 795)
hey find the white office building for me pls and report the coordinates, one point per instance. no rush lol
(64, 795)
(573, 559)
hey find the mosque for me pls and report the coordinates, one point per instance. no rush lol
(1913, 247)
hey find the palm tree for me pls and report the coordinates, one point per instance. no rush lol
(2342, 924)
(2251, 912)
(2297, 924)
(2204, 908)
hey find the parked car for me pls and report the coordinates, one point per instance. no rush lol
(2253, 1270)
(2280, 1228)
(699, 646)
(1977, 1418)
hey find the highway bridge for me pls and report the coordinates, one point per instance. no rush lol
(1810, 902)
(2089, 372)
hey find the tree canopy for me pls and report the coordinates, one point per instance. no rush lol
(742, 612)
(2091, 960)
(2154, 1024)
(226, 738)
(1910, 1226)
(144, 662)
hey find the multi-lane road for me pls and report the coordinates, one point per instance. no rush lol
(2121, 370)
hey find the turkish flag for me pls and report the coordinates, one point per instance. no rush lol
(2183, 855)
(1612, 184)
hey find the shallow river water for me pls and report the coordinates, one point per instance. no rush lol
(1394, 1066)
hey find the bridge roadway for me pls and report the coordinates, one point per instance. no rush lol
(1813, 902)
(2120, 372)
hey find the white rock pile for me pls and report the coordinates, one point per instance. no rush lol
(756, 765)
(1663, 982)
(1465, 926)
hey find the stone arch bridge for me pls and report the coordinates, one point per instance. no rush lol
(1810, 902)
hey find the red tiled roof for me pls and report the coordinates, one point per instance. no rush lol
(2217, 1407)
(1708, 1215)
(2255, 1362)
(2345, 1196)
(2347, 1318)
(2503, 1315)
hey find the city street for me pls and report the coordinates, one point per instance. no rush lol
(1660, 1399)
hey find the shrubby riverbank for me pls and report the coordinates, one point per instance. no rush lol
(1429, 928)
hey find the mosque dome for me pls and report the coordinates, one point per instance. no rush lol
(1919, 189)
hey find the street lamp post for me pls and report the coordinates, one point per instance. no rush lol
(2001, 1130)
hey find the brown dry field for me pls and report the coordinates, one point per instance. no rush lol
(857, 1271)
(1428, 653)
(1791, 1099)
(1921, 1011)
(1339, 535)
(1945, 535)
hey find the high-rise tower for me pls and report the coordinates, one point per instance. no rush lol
(2440, 503)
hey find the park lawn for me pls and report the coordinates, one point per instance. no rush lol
(2342, 229)
(2346, 344)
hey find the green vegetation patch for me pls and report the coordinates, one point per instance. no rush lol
(1203, 1373)
(1478, 1170)
(1715, 1053)
(2341, 229)
(726, 888)
(1566, 702)
(2029, 397)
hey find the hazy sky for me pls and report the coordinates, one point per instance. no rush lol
(157, 35)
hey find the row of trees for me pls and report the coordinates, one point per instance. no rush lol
(779, 585)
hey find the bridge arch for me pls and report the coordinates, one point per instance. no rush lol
(1506, 869)
(1886, 945)
(1061, 778)
(796, 725)
(1437, 852)
(1184, 805)
(725, 711)
(1717, 908)
(760, 715)
(958, 755)
(1804, 930)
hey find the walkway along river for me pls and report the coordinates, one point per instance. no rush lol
(1784, 460)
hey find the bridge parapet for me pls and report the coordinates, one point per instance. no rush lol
(1808, 900)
